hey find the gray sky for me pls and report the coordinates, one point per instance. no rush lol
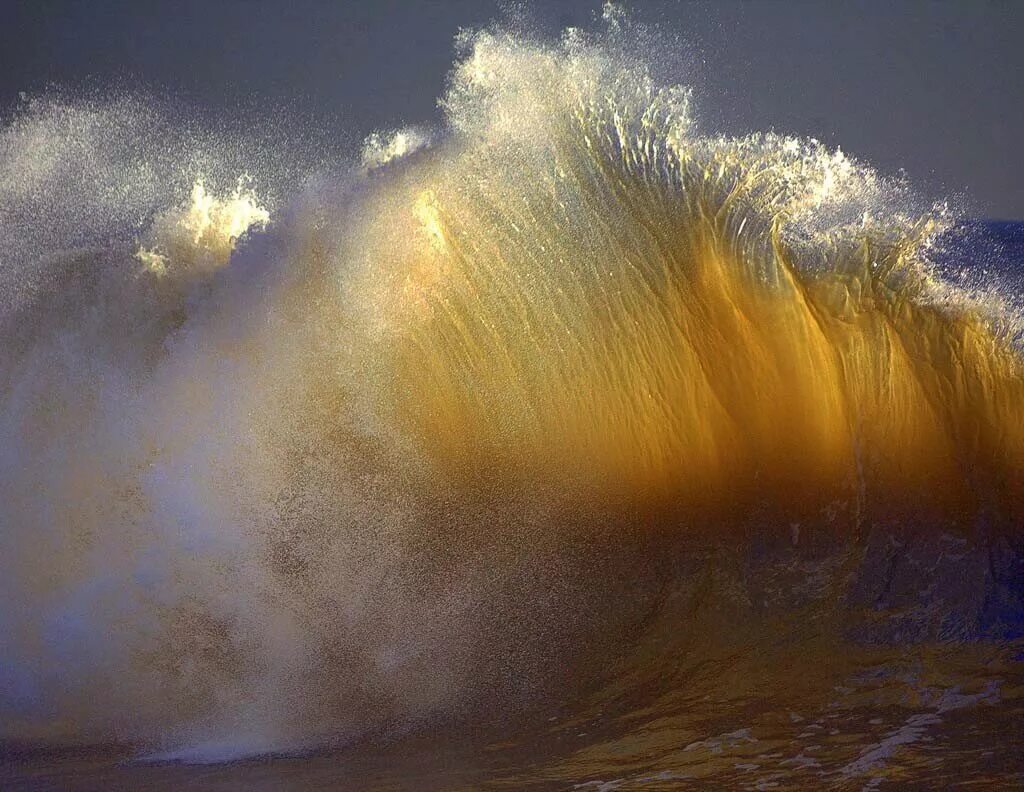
(934, 88)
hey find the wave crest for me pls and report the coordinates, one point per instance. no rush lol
(578, 283)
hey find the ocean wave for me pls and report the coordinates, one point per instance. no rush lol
(427, 436)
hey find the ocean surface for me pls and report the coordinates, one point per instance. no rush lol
(565, 444)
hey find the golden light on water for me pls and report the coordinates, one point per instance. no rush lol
(633, 314)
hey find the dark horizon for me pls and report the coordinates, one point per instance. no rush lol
(931, 88)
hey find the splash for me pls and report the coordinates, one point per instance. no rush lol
(389, 448)
(207, 229)
(380, 149)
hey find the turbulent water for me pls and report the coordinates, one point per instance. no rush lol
(565, 444)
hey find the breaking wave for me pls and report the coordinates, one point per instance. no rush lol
(422, 437)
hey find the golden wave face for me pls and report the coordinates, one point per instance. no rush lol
(610, 299)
